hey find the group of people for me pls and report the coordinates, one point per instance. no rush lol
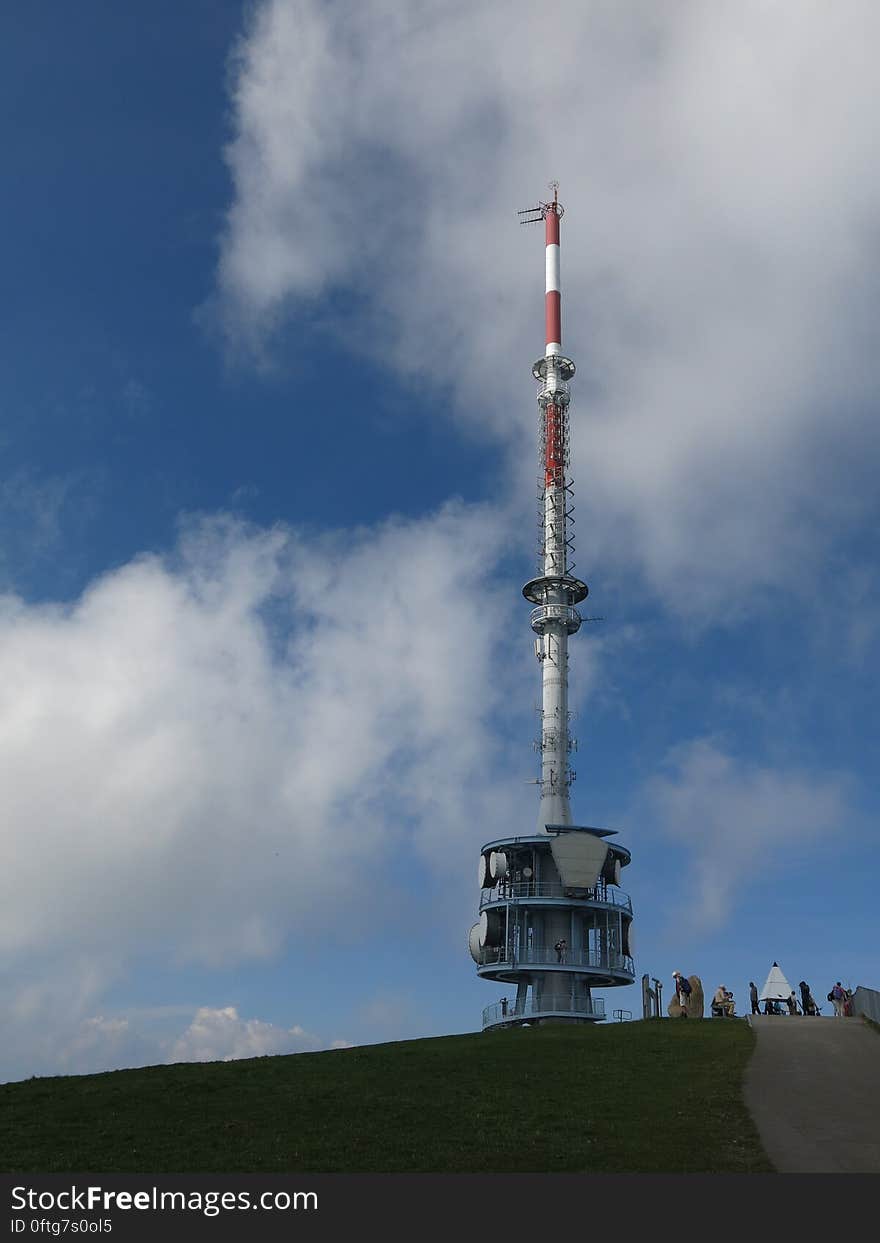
(775, 1006)
(722, 1003)
(840, 997)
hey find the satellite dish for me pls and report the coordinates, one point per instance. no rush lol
(491, 929)
(497, 865)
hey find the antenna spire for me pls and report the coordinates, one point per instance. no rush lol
(555, 592)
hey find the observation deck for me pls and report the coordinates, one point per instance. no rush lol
(503, 1012)
(551, 589)
(552, 891)
(554, 923)
(544, 615)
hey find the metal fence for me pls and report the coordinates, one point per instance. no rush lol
(611, 961)
(609, 895)
(505, 1011)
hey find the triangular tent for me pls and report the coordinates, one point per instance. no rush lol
(777, 987)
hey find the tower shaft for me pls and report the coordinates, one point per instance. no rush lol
(555, 592)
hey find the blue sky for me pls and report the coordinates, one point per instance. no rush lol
(269, 468)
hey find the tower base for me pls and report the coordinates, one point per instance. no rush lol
(505, 1014)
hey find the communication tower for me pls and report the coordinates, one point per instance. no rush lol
(554, 924)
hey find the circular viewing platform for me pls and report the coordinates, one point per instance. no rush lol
(550, 891)
(539, 590)
(505, 1014)
(610, 963)
(546, 615)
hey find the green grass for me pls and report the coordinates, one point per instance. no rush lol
(628, 1097)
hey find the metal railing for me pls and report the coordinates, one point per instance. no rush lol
(545, 613)
(505, 1011)
(611, 961)
(609, 895)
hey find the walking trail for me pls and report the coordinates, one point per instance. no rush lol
(813, 1089)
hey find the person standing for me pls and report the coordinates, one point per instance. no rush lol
(753, 997)
(805, 996)
(683, 991)
(836, 997)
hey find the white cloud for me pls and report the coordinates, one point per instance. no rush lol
(220, 1035)
(209, 754)
(54, 1021)
(48, 1029)
(50, 1025)
(732, 822)
(98, 1042)
(719, 264)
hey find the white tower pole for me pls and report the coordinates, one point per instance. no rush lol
(556, 593)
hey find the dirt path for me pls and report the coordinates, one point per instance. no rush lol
(813, 1089)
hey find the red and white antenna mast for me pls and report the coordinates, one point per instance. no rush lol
(555, 592)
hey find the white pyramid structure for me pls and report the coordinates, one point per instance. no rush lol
(776, 987)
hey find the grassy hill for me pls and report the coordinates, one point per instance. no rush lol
(630, 1097)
